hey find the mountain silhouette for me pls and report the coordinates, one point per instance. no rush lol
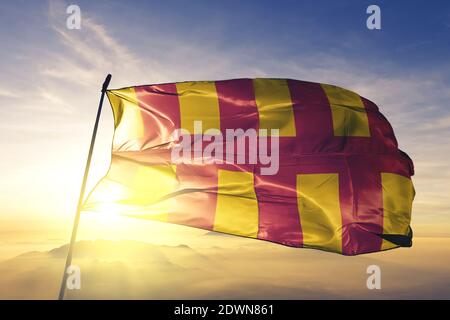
(256, 270)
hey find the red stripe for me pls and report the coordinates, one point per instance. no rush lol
(197, 196)
(237, 104)
(160, 112)
(362, 205)
(238, 109)
(313, 118)
(279, 220)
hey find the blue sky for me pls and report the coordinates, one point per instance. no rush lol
(50, 77)
(414, 36)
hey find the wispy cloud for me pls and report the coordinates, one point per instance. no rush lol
(8, 93)
(86, 53)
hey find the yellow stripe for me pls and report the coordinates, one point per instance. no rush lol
(320, 213)
(348, 112)
(398, 194)
(274, 106)
(127, 115)
(237, 207)
(198, 102)
(131, 188)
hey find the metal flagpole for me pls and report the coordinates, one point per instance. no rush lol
(82, 190)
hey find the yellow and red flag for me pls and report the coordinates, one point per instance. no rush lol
(341, 183)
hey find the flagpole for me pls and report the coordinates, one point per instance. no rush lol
(82, 190)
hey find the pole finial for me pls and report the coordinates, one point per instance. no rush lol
(106, 83)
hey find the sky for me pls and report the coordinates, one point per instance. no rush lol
(51, 77)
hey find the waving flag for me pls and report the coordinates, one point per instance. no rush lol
(293, 162)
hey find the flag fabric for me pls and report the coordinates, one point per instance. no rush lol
(340, 182)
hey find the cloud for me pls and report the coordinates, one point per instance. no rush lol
(8, 93)
(86, 53)
(438, 124)
(137, 270)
